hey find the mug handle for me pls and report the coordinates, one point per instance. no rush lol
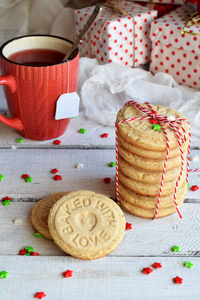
(15, 122)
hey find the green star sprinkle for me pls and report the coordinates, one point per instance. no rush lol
(82, 130)
(1, 177)
(74, 117)
(29, 249)
(112, 164)
(27, 253)
(188, 264)
(29, 179)
(4, 274)
(188, 184)
(37, 235)
(156, 127)
(6, 202)
(19, 140)
(175, 249)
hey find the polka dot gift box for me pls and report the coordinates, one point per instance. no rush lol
(176, 53)
(120, 35)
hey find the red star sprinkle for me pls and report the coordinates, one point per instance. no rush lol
(6, 198)
(22, 252)
(128, 226)
(54, 171)
(178, 279)
(147, 270)
(57, 142)
(157, 265)
(25, 176)
(40, 295)
(194, 188)
(153, 121)
(104, 135)
(57, 177)
(68, 273)
(107, 180)
(34, 253)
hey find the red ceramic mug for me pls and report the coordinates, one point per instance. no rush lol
(33, 87)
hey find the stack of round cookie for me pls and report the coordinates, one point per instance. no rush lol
(141, 158)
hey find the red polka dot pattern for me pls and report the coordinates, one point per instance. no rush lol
(178, 54)
(122, 41)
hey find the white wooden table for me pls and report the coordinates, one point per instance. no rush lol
(117, 276)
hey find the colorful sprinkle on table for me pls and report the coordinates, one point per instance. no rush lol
(175, 248)
(34, 253)
(4, 274)
(29, 179)
(107, 179)
(79, 166)
(83, 130)
(194, 188)
(57, 177)
(2, 177)
(29, 249)
(156, 127)
(25, 176)
(40, 295)
(6, 202)
(7, 198)
(68, 273)
(147, 270)
(188, 264)
(20, 140)
(178, 280)
(54, 171)
(37, 235)
(104, 135)
(128, 226)
(157, 265)
(57, 142)
(112, 164)
(23, 251)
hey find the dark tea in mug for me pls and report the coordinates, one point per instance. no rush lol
(37, 57)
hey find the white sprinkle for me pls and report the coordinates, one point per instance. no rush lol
(13, 147)
(171, 118)
(17, 221)
(194, 158)
(79, 166)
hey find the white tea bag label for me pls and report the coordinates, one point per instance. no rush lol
(67, 106)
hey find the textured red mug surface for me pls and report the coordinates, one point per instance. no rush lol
(32, 91)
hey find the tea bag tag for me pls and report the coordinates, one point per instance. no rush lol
(67, 106)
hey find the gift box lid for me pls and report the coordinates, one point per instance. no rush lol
(167, 30)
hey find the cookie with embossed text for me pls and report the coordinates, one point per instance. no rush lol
(86, 225)
(40, 213)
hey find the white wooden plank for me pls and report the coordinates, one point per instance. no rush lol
(71, 138)
(147, 237)
(107, 278)
(39, 162)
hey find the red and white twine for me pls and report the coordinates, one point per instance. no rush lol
(181, 138)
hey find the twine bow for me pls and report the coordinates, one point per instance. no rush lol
(181, 137)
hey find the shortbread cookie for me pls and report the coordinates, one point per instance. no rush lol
(148, 153)
(40, 213)
(148, 213)
(148, 163)
(86, 225)
(140, 132)
(150, 189)
(149, 202)
(146, 175)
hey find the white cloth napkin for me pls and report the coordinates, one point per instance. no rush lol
(104, 89)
